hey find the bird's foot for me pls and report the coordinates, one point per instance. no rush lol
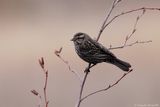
(87, 70)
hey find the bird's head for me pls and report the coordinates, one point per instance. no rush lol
(79, 37)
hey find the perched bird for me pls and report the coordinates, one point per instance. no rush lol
(93, 52)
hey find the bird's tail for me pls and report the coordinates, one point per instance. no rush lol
(122, 65)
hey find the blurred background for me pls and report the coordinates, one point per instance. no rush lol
(30, 29)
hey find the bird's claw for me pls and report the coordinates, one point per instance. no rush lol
(86, 70)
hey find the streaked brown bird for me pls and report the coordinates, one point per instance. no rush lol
(93, 52)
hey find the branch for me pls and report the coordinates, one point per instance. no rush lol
(107, 88)
(115, 2)
(130, 35)
(87, 70)
(34, 92)
(105, 24)
(81, 90)
(58, 54)
(131, 44)
(41, 62)
(45, 86)
(130, 11)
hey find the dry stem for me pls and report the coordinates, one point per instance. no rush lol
(81, 90)
(105, 24)
(41, 62)
(130, 35)
(87, 70)
(130, 11)
(45, 86)
(34, 92)
(58, 54)
(115, 2)
(105, 89)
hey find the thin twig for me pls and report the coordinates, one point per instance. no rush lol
(115, 2)
(131, 44)
(87, 70)
(40, 101)
(133, 31)
(130, 35)
(81, 90)
(45, 86)
(41, 62)
(34, 92)
(130, 11)
(58, 54)
(104, 25)
(110, 86)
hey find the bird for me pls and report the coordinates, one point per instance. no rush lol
(93, 52)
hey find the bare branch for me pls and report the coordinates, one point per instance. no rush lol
(34, 92)
(115, 2)
(58, 54)
(41, 62)
(134, 27)
(45, 86)
(107, 88)
(130, 35)
(81, 90)
(131, 44)
(144, 9)
(87, 70)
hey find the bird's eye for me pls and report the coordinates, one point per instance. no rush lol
(81, 37)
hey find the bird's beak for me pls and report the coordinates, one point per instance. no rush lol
(73, 39)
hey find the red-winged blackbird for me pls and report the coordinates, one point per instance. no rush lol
(93, 52)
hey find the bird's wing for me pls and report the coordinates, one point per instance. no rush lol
(103, 50)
